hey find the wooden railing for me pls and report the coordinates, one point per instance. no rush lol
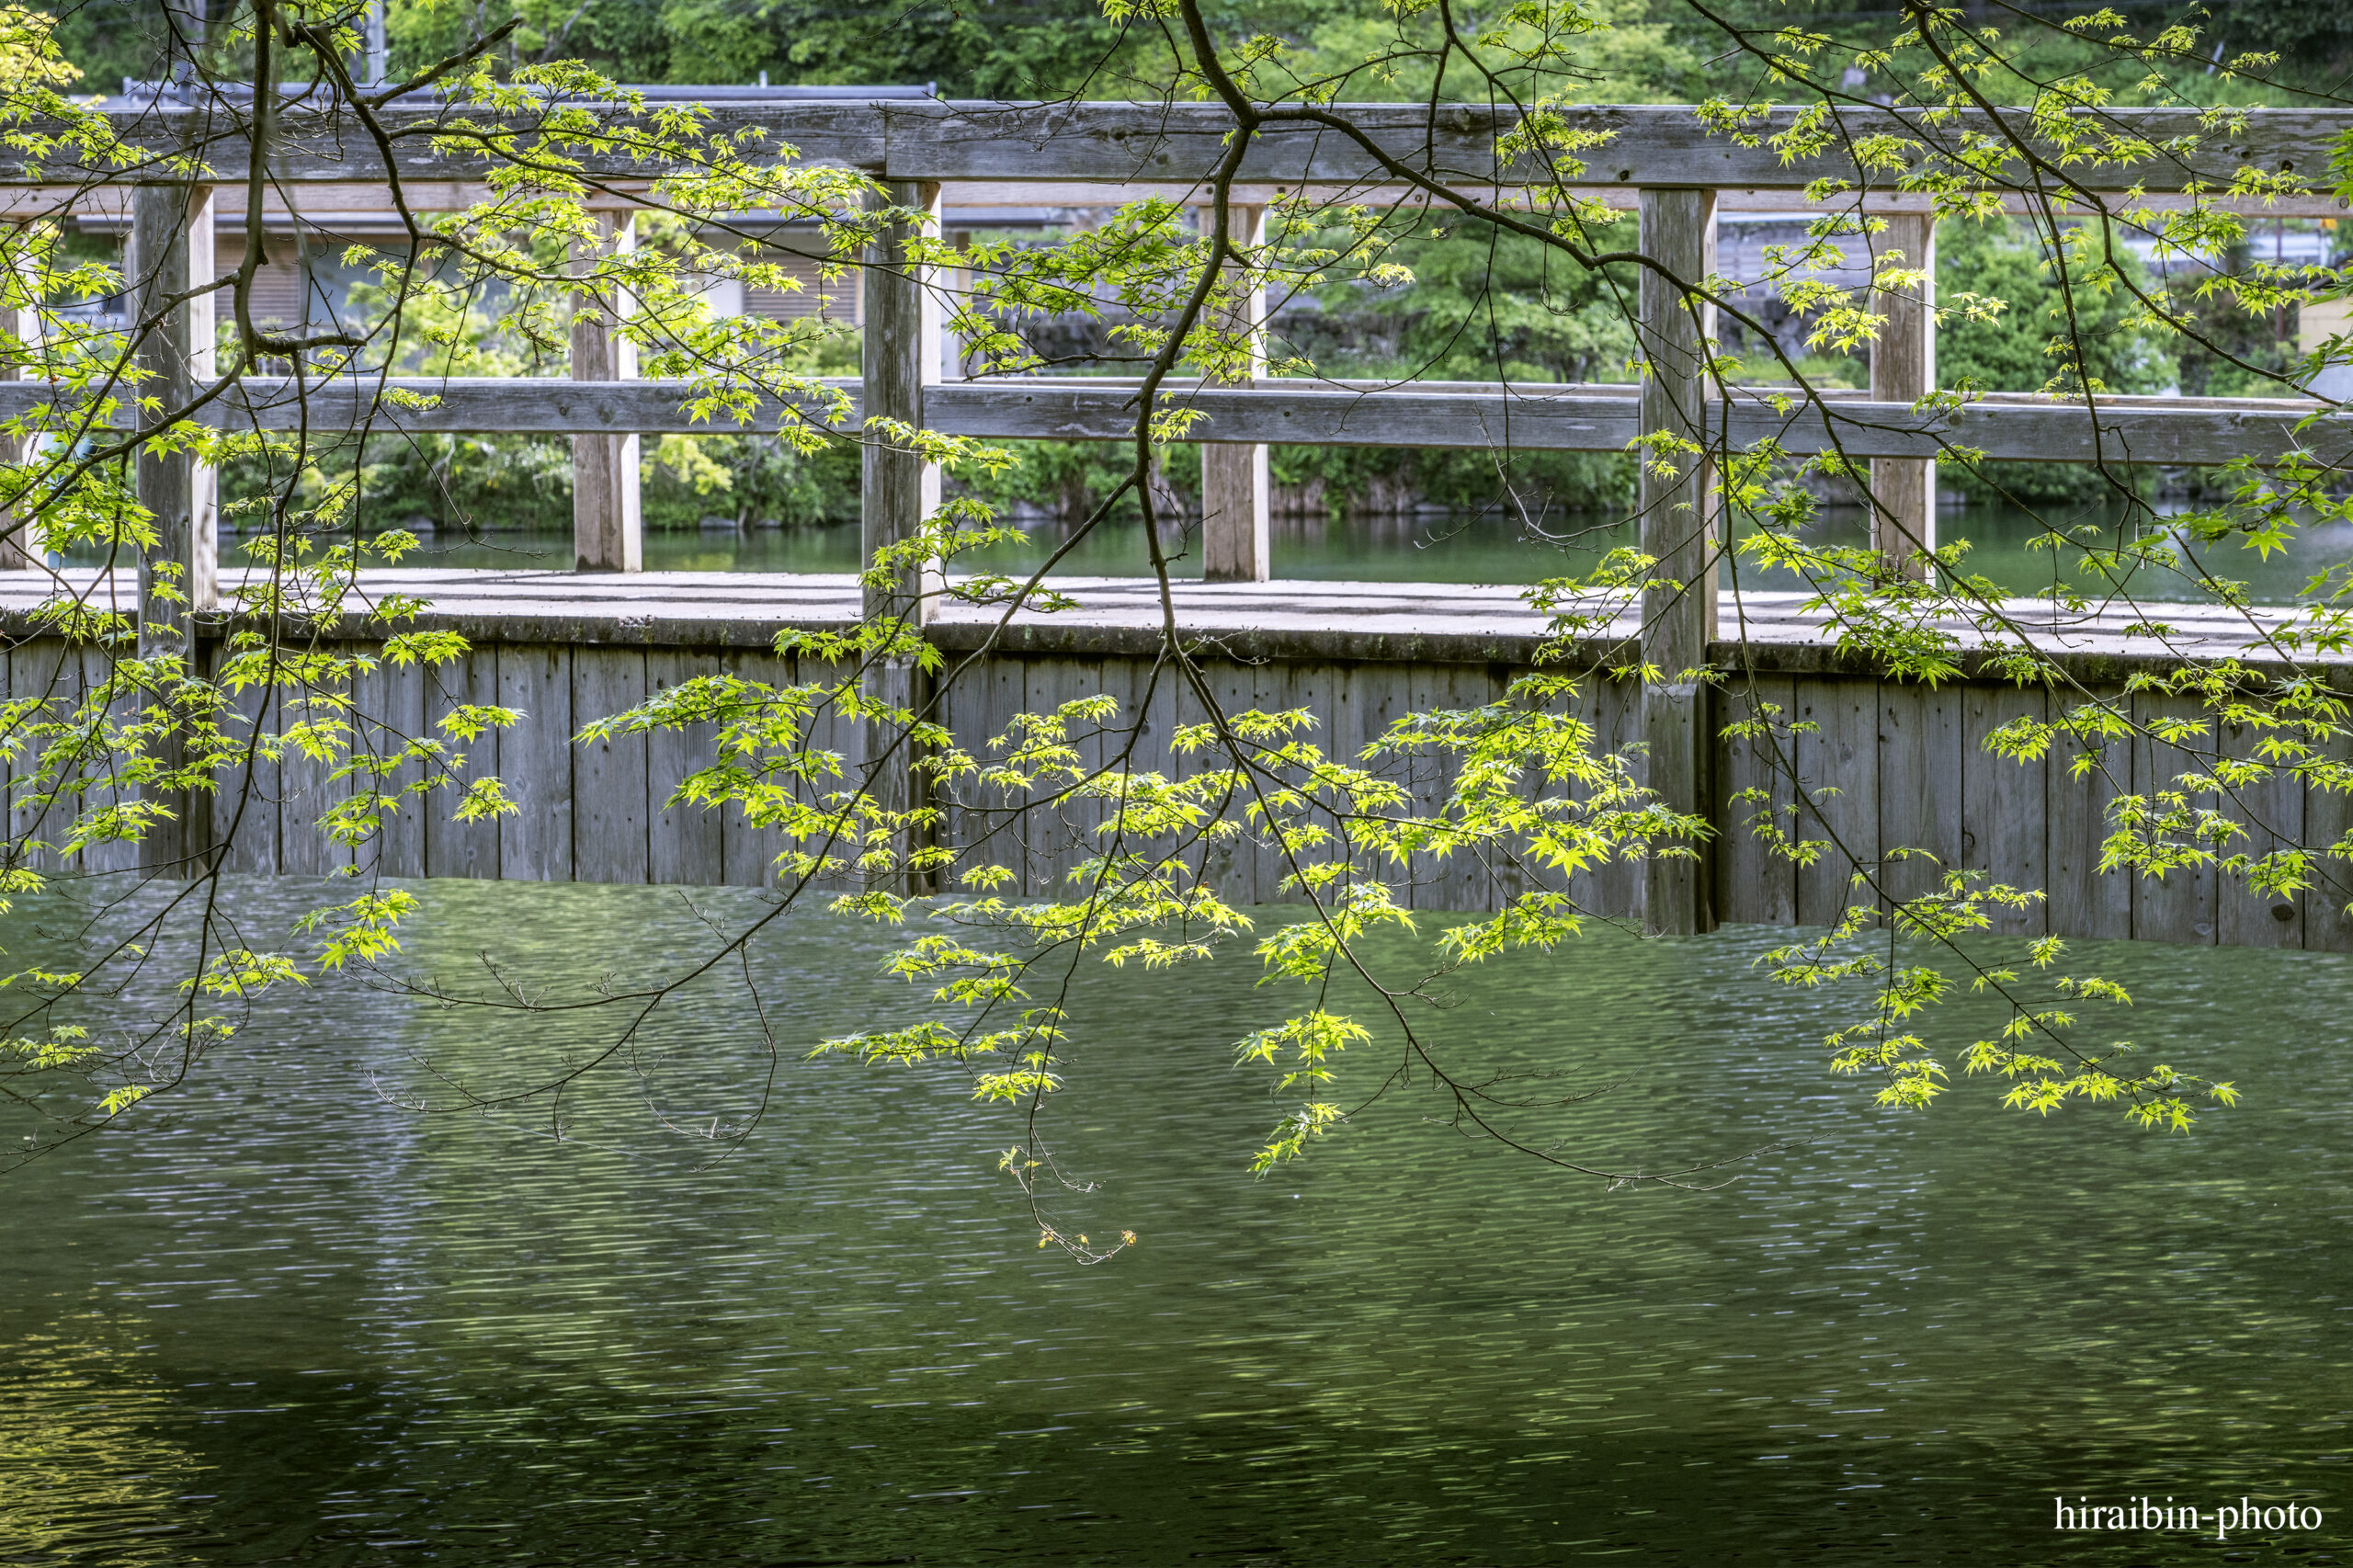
(1036, 147)
(1660, 160)
(1535, 418)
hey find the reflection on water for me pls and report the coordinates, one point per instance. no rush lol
(1436, 549)
(287, 1322)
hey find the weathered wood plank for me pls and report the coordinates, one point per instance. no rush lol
(1755, 882)
(1661, 145)
(27, 203)
(2085, 903)
(1425, 688)
(831, 733)
(1919, 787)
(1838, 776)
(1237, 492)
(1123, 750)
(1527, 418)
(76, 688)
(2179, 905)
(991, 828)
(899, 362)
(1274, 686)
(2002, 805)
(1342, 729)
(18, 750)
(35, 670)
(2328, 903)
(169, 263)
(51, 672)
(387, 705)
(168, 266)
(1082, 813)
(1615, 890)
(1155, 688)
(1510, 873)
(609, 775)
(1586, 420)
(1904, 370)
(1677, 505)
(748, 855)
(2272, 812)
(1094, 677)
(322, 146)
(1051, 840)
(535, 844)
(1162, 704)
(1158, 142)
(106, 858)
(1105, 740)
(1457, 880)
(608, 518)
(245, 804)
(960, 698)
(454, 848)
(683, 846)
(1379, 696)
(1460, 881)
(1476, 884)
(309, 785)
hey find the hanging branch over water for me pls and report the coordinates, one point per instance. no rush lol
(154, 725)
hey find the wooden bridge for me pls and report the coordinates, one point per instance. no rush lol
(1906, 762)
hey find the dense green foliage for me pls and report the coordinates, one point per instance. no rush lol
(2051, 337)
(1008, 49)
(1469, 301)
(2318, 38)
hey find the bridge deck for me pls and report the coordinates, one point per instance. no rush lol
(1431, 621)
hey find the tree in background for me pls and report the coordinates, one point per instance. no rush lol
(2039, 343)
(2318, 37)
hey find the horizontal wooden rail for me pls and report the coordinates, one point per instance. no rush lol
(1590, 420)
(2156, 431)
(1119, 144)
(330, 206)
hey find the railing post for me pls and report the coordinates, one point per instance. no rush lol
(1236, 491)
(1904, 370)
(1678, 525)
(899, 357)
(20, 324)
(608, 525)
(171, 255)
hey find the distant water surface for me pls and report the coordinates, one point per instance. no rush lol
(1441, 549)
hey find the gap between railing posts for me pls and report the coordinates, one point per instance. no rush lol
(1904, 370)
(900, 356)
(1676, 501)
(607, 518)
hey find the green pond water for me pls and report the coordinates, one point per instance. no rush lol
(1431, 549)
(285, 1318)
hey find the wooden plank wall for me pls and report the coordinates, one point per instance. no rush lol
(1871, 766)
(1910, 770)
